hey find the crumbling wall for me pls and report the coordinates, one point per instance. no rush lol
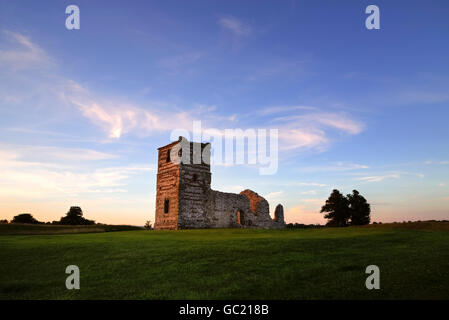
(224, 207)
(279, 216)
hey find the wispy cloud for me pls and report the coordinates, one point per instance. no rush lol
(274, 195)
(336, 167)
(339, 121)
(118, 119)
(297, 138)
(43, 182)
(279, 109)
(51, 174)
(50, 154)
(307, 184)
(235, 26)
(437, 162)
(115, 115)
(308, 127)
(379, 178)
(310, 192)
(389, 175)
(22, 53)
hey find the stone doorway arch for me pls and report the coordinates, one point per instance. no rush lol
(240, 217)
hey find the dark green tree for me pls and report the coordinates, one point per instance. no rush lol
(337, 210)
(24, 218)
(360, 209)
(148, 225)
(75, 217)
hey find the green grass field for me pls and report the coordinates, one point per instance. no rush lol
(326, 263)
(18, 228)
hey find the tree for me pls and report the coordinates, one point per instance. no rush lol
(148, 225)
(360, 209)
(24, 218)
(4, 221)
(75, 217)
(337, 208)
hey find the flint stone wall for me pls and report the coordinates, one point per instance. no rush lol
(215, 209)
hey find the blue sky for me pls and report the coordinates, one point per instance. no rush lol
(82, 112)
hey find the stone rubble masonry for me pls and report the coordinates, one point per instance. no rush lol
(279, 214)
(184, 188)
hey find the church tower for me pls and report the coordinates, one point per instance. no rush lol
(183, 185)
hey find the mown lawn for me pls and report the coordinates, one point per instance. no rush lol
(326, 263)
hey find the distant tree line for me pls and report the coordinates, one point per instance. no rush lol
(73, 217)
(303, 226)
(25, 218)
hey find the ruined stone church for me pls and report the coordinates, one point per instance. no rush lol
(185, 200)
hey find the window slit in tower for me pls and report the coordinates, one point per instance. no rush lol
(166, 205)
(168, 155)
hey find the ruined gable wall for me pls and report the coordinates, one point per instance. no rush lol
(260, 207)
(264, 219)
(253, 197)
